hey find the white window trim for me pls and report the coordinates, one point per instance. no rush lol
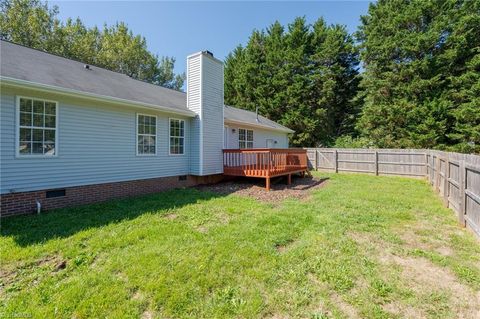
(246, 134)
(136, 135)
(17, 129)
(170, 136)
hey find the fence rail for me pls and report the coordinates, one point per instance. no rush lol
(456, 177)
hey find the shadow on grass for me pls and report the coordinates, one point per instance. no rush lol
(252, 184)
(61, 223)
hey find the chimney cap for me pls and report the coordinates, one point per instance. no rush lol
(208, 53)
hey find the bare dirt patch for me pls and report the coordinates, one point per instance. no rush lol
(7, 277)
(137, 295)
(202, 228)
(147, 314)
(345, 308)
(53, 261)
(171, 216)
(421, 275)
(255, 188)
(414, 240)
(404, 311)
(284, 246)
(424, 277)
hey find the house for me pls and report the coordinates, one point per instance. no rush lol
(73, 133)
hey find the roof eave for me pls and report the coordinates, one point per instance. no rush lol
(92, 96)
(265, 127)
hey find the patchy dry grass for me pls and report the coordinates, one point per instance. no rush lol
(360, 247)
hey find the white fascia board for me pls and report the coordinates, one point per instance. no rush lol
(265, 127)
(7, 81)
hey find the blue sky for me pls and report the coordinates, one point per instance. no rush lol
(181, 28)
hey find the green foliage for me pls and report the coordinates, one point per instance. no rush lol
(34, 24)
(349, 249)
(303, 76)
(421, 82)
(346, 141)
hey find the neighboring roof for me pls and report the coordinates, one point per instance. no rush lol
(240, 116)
(21, 65)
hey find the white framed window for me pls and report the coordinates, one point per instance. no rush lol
(245, 138)
(177, 137)
(37, 121)
(146, 134)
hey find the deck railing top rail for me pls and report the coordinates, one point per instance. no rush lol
(265, 150)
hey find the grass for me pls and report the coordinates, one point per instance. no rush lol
(363, 246)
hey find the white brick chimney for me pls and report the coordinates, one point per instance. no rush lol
(205, 97)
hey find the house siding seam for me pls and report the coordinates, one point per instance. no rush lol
(25, 202)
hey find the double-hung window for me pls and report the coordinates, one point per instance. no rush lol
(37, 129)
(245, 138)
(177, 137)
(146, 134)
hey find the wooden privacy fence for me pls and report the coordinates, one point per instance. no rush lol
(456, 177)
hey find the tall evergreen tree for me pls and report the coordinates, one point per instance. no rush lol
(34, 24)
(421, 74)
(303, 76)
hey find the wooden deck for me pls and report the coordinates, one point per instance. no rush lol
(264, 162)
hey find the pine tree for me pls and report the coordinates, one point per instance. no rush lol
(420, 83)
(302, 76)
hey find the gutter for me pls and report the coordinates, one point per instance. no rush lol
(92, 96)
(265, 127)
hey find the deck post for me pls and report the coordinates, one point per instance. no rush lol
(267, 183)
(289, 179)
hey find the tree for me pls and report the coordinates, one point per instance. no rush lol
(420, 84)
(303, 76)
(32, 23)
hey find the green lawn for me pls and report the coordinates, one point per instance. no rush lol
(363, 246)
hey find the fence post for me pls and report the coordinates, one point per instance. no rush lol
(446, 184)
(437, 173)
(376, 163)
(462, 188)
(316, 159)
(336, 161)
(427, 170)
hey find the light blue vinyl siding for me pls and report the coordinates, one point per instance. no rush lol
(194, 103)
(260, 137)
(212, 117)
(195, 146)
(96, 144)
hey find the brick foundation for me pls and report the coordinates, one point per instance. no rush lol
(25, 202)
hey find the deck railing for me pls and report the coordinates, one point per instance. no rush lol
(264, 162)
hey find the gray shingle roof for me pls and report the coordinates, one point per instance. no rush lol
(236, 115)
(35, 66)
